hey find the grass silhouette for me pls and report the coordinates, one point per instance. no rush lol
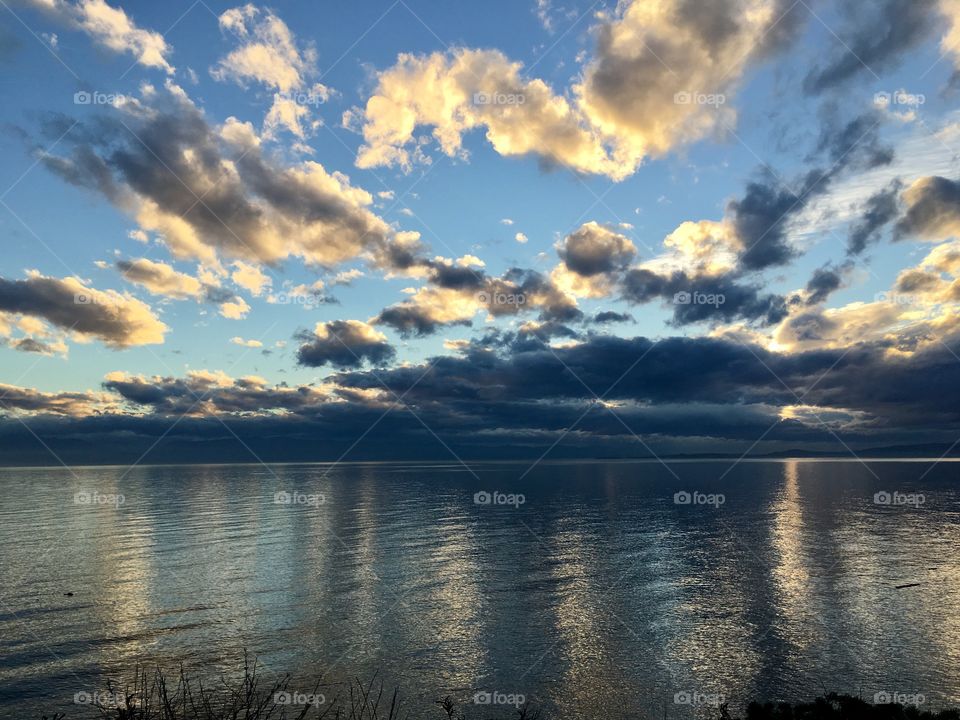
(154, 696)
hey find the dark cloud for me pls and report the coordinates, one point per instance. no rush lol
(854, 143)
(116, 319)
(410, 319)
(893, 390)
(760, 218)
(824, 281)
(879, 210)
(609, 316)
(762, 215)
(31, 345)
(933, 209)
(168, 162)
(13, 398)
(201, 393)
(703, 298)
(874, 37)
(343, 344)
(504, 395)
(593, 249)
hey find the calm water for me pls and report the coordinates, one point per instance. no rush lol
(597, 596)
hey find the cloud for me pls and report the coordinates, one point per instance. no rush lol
(250, 278)
(521, 238)
(464, 90)
(246, 343)
(515, 396)
(112, 28)
(703, 298)
(343, 343)
(25, 333)
(593, 249)
(874, 37)
(879, 210)
(932, 209)
(234, 309)
(73, 404)
(609, 316)
(456, 294)
(119, 320)
(824, 281)
(664, 74)
(160, 278)
(203, 392)
(268, 54)
(661, 77)
(211, 193)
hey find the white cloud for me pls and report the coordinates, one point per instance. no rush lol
(250, 278)
(112, 28)
(160, 278)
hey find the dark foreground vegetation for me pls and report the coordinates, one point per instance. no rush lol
(154, 696)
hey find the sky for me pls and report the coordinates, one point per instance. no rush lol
(525, 229)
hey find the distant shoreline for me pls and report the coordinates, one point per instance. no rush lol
(677, 459)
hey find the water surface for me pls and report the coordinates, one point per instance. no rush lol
(599, 595)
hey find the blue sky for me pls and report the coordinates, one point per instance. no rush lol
(822, 106)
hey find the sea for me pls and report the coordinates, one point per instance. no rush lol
(588, 589)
